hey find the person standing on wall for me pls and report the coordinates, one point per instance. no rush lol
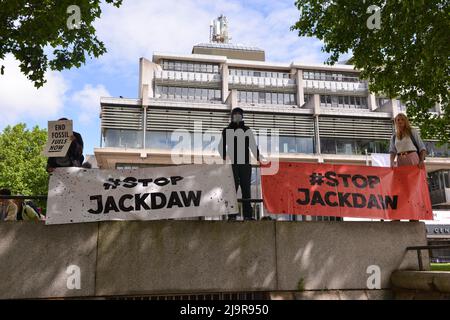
(237, 141)
(73, 158)
(406, 144)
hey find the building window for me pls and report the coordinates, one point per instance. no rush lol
(185, 93)
(330, 76)
(116, 138)
(353, 146)
(188, 66)
(289, 144)
(343, 101)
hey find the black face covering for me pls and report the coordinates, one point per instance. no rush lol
(237, 117)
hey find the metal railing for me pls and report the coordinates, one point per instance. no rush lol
(429, 248)
(23, 197)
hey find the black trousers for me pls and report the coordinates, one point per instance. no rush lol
(242, 177)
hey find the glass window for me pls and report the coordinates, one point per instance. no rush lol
(341, 100)
(218, 95)
(157, 140)
(287, 99)
(255, 97)
(177, 66)
(345, 146)
(209, 68)
(305, 145)
(334, 101)
(288, 145)
(347, 100)
(323, 100)
(210, 94)
(357, 102)
(274, 98)
(198, 94)
(268, 98)
(216, 69)
(352, 101)
(328, 146)
(165, 65)
(171, 93)
(171, 65)
(328, 100)
(280, 98)
(249, 97)
(363, 102)
(257, 74)
(262, 97)
(191, 93)
(196, 67)
(242, 96)
(178, 93)
(204, 94)
(123, 138)
(184, 67)
(191, 67)
(184, 93)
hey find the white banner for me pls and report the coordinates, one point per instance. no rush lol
(88, 195)
(58, 142)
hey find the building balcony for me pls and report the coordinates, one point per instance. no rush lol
(260, 82)
(316, 86)
(176, 77)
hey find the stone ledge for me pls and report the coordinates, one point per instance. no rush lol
(438, 281)
(333, 295)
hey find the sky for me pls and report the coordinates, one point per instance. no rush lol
(138, 29)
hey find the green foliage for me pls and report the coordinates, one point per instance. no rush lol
(22, 167)
(408, 57)
(28, 29)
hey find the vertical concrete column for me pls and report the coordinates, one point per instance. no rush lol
(224, 69)
(394, 108)
(316, 108)
(371, 102)
(144, 103)
(300, 90)
(146, 75)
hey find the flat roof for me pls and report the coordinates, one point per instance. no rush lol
(157, 56)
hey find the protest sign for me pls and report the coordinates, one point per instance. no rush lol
(348, 191)
(82, 195)
(59, 138)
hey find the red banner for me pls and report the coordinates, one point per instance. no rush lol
(348, 191)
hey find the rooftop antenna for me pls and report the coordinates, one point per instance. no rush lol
(218, 30)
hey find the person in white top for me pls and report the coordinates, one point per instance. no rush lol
(406, 144)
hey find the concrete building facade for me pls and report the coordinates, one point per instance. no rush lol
(324, 114)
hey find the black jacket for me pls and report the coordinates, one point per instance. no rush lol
(246, 140)
(74, 157)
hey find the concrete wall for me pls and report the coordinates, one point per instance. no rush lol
(170, 257)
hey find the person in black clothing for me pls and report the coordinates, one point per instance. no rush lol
(237, 141)
(73, 158)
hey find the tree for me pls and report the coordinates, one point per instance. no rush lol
(401, 48)
(28, 29)
(22, 167)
